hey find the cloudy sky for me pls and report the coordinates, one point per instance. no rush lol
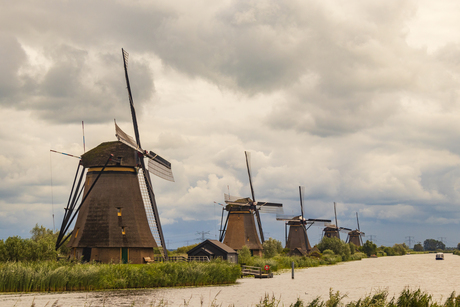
(358, 101)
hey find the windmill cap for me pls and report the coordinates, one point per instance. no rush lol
(121, 155)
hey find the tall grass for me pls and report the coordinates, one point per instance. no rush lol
(67, 276)
(407, 298)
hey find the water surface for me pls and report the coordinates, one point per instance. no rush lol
(355, 279)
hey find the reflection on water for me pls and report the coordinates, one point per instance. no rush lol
(355, 279)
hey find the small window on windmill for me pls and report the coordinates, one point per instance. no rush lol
(119, 211)
(76, 233)
(123, 232)
(119, 160)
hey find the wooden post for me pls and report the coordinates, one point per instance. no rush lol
(292, 264)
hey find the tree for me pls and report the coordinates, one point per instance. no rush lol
(185, 249)
(41, 246)
(334, 244)
(272, 247)
(458, 246)
(432, 245)
(369, 248)
(40, 232)
(418, 247)
(244, 255)
(400, 249)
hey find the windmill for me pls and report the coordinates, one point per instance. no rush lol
(356, 236)
(118, 218)
(297, 241)
(240, 226)
(333, 231)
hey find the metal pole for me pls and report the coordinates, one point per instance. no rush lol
(292, 264)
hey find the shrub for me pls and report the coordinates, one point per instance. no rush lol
(272, 247)
(369, 248)
(244, 255)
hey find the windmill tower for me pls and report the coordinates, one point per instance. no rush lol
(333, 231)
(355, 236)
(297, 241)
(118, 218)
(240, 225)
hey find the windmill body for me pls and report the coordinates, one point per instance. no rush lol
(241, 230)
(297, 241)
(112, 223)
(240, 227)
(355, 237)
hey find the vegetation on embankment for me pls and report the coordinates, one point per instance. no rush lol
(329, 251)
(71, 276)
(407, 298)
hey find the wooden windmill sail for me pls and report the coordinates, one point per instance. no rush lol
(297, 240)
(356, 236)
(118, 219)
(333, 231)
(242, 213)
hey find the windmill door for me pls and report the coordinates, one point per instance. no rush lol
(86, 254)
(124, 255)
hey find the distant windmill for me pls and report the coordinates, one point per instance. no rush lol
(297, 241)
(239, 228)
(333, 231)
(118, 218)
(355, 236)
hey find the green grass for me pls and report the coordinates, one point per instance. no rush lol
(407, 298)
(68, 276)
(284, 262)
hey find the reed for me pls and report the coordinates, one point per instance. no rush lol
(67, 276)
(407, 298)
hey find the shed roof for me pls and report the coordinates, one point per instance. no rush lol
(216, 243)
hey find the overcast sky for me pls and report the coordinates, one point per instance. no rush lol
(358, 101)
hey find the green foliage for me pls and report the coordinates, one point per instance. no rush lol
(432, 245)
(419, 247)
(337, 246)
(369, 248)
(400, 249)
(357, 256)
(185, 249)
(346, 252)
(328, 252)
(268, 301)
(334, 244)
(353, 248)
(244, 255)
(272, 247)
(72, 276)
(389, 251)
(41, 246)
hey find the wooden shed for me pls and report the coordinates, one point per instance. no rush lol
(214, 249)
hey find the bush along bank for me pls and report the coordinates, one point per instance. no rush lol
(329, 251)
(68, 276)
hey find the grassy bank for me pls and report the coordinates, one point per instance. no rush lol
(407, 298)
(284, 262)
(67, 276)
